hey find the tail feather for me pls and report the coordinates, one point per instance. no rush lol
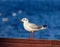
(44, 25)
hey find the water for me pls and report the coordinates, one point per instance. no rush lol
(40, 12)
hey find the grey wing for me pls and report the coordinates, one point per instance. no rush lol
(34, 26)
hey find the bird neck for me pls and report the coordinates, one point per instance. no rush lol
(26, 22)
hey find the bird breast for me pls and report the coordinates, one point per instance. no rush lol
(26, 27)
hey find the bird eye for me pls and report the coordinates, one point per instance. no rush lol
(25, 19)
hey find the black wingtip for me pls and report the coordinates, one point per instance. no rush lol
(44, 25)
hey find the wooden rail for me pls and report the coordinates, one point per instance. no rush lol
(8, 42)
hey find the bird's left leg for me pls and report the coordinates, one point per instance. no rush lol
(31, 35)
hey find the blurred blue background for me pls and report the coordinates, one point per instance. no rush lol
(40, 12)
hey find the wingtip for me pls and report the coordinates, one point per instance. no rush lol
(44, 25)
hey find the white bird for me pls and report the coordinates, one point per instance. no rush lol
(31, 27)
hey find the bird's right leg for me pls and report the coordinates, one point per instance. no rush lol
(31, 35)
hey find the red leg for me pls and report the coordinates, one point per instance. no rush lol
(31, 35)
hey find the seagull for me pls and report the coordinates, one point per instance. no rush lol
(31, 27)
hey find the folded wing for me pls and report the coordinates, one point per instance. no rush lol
(34, 26)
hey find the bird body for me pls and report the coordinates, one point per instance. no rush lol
(32, 27)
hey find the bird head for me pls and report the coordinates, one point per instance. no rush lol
(24, 20)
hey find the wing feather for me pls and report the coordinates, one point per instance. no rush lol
(34, 26)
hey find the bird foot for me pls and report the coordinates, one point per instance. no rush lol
(31, 38)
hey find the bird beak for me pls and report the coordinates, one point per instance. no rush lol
(20, 21)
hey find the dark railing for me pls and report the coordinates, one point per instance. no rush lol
(9, 42)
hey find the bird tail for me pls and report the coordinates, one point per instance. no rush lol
(44, 26)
